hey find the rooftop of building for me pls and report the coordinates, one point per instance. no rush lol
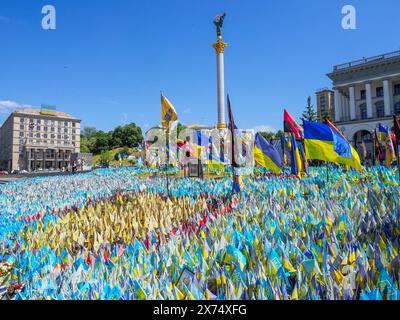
(322, 90)
(367, 61)
(43, 112)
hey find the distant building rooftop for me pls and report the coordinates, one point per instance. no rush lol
(366, 61)
(44, 112)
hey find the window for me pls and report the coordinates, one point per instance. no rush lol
(363, 111)
(73, 138)
(45, 135)
(31, 135)
(21, 120)
(21, 133)
(397, 89)
(59, 130)
(46, 122)
(362, 94)
(45, 128)
(73, 131)
(66, 123)
(379, 92)
(22, 127)
(73, 124)
(65, 130)
(59, 136)
(397, 108)
(53, 129)
(380, 109)
(66, 137)
(37, 135)
(53, 136)
(38, 128)
(38, 121)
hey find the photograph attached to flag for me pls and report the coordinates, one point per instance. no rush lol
(266, 155)
(168, 113)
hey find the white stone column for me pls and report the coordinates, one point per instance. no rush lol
(338, 106)
(368, 97)
(219, 47)
(352, 94)
(387, 97)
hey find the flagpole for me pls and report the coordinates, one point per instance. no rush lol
(166, 150)
(374, 148)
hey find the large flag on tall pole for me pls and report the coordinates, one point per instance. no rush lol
(168, 113)
(325, 142)
(237, 179)
(291, 126)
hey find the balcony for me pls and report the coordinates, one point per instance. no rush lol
(356, 63)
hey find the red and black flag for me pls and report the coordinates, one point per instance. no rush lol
(291, 126)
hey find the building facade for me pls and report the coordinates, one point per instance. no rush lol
(325, 104)
(35, 140)
(366, 93)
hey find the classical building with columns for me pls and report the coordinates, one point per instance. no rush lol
(366, 93)
(38, 139)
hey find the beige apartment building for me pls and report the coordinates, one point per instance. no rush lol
(325, 104)
(38, 139)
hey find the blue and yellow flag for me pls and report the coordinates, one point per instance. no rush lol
(296, 163)
(266, 155)
(168, 113)
(383, 132)
(323, 143)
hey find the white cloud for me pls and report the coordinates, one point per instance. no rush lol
(186, 111)
(7, 106)
(264, 128)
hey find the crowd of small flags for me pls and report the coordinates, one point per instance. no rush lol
(113, 234)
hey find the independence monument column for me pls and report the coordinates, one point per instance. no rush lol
(219, 47)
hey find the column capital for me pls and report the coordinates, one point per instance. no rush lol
(220, 46)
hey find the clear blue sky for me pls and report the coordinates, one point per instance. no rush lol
(108, 60)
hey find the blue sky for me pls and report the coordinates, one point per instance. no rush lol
(108, 60)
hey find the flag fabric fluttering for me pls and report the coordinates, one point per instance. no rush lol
(266, 155)
(296, 163)
(237, 178)
(168, 113)
(325, 142)
(291, 126)
(383, 132)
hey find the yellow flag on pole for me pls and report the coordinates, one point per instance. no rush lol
(168, 113)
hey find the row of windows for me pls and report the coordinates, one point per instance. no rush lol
(45, 141)
(47, 122)
(52, 129)
(379, 92)
(45, 135)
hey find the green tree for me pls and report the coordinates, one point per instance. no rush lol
(89, 132)
(105, 157)
(268, 135)
(102, 142)
(309, 114)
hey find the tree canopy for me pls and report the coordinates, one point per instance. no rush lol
(96, 142)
